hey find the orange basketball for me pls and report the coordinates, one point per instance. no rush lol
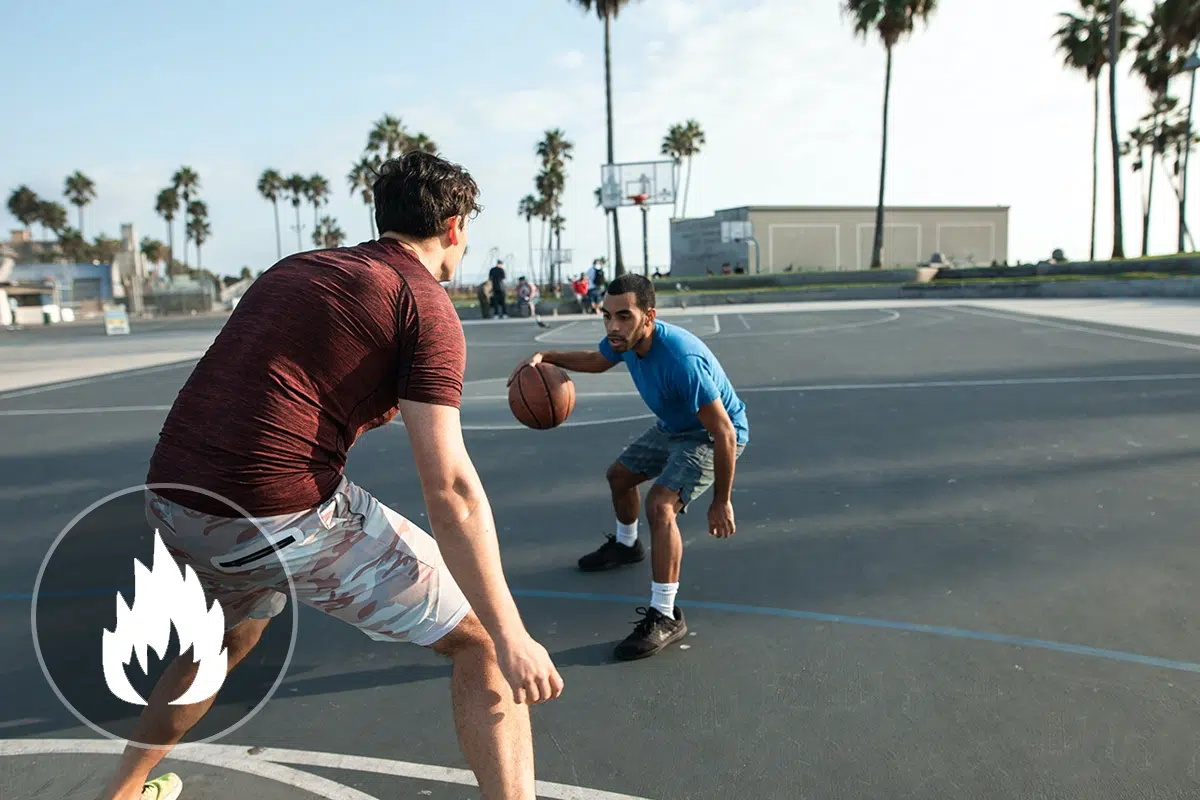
(541, 397)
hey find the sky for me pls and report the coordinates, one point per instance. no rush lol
(982, 112)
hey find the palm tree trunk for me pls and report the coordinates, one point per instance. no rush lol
(316, 223)
(1150, 188)
(278, 236)
(619, 267)
(371, 214)
(687, 187)
(529, 226)
(81, 220)
(550, 255)
(299, 241)
(877, 247)
(1095, 164)
(1114, 27)
(1187, 156)
(170, 246)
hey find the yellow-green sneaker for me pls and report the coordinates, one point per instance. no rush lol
(165, 787)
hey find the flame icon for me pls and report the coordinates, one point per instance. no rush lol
(164, 596)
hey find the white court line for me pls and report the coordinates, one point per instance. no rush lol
(745, 322)
(716, 325)
(893, 316)
(223, 756)
(1083, 329)
(541, 337)
(108, 376)
(1061, 380)
(268, 764)
(47, 412)
(801, 388)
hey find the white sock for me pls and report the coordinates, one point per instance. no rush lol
(627, 534)
(662, 597)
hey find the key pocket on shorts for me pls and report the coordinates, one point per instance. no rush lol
(255, 551)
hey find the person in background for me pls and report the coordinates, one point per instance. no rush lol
(499, 303)
(580, 287)
(527, 295)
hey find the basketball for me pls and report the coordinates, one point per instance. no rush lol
(541, 397)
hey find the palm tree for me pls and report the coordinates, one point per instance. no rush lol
(317, 192)
(388, 137)
(891, 20)
(52, 216)
(80, 190)
(297, 187)
(1115, 43)
(1155, 63)
(74, 247)
(186, 183)
(361, 179)
(328, 234)
(270, 186)
(166, 204)
(422, 144)
(1143, 146)
(693, 139)
(153, 250)
(1083, 42)
(528, 208)
(198, 231)
(25, 205)
(607, 11)
(673, 146)
(554, 150)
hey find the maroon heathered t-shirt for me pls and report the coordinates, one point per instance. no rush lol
(321, 348)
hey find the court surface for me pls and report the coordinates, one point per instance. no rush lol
(965, 566)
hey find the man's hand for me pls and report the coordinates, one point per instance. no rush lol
(532, 361)
(528, 669)
(720, 520)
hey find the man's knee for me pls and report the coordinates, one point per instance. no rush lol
(662, 505)
(468, 638)
(622, 479)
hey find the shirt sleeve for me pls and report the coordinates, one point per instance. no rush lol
(607, 351)
(433, 352)
(696, 385)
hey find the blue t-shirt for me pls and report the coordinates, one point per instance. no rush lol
(677, 377)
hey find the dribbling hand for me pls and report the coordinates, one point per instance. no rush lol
(529, 671)
(532, 361)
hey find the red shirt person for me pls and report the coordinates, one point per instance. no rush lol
(325, 346)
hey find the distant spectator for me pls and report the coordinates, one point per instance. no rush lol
(499, 304)
(580, 288)
(527, 295)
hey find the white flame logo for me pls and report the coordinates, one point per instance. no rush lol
(162, 597)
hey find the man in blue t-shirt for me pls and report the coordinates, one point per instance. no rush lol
(700, 432)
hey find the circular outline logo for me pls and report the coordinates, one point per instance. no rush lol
(37, 585)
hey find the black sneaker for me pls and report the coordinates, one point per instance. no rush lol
(612, 554)
(652, 634)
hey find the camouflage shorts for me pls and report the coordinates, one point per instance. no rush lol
(352, 558)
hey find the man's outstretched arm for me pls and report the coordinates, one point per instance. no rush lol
(461, 520)
(572, 360)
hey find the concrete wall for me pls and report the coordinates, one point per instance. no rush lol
(802, 239)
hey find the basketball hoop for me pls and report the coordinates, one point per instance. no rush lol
(639, 199)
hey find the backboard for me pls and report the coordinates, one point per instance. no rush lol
(736, 231)
(620, 183)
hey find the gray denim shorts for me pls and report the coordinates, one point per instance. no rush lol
(682, 462)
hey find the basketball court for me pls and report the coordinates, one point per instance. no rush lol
(965, 566)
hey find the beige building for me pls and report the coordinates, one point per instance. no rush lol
(820, 238)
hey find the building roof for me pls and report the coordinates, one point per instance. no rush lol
(872, 209)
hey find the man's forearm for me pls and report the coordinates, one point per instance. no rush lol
(724, 459)
(577, 360)
(466, 535)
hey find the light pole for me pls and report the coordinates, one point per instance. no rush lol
(1191, 65)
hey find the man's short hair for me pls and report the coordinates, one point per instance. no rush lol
(642, 289)
(416, 193)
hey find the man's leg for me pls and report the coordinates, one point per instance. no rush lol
(163, 724)
(623, 548)
(493, 731)
(666, 545)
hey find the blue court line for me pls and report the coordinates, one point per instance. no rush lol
(811, 616)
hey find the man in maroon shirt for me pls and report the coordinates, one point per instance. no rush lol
(324, 346)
